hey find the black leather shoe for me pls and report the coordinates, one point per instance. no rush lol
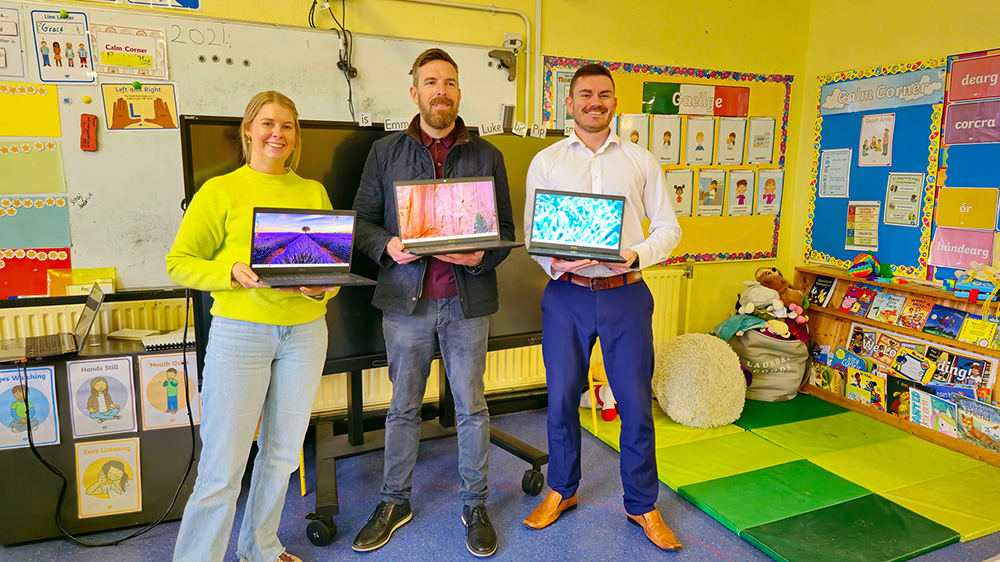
(387, 518)
(480, 537)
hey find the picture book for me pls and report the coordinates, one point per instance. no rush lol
(977, 331)
(915, 312)
(842, 360)
(886, 307)
(897, 395)
(944, 322)
(968, 371)
(948, 392)
(913, 366)
(886, 347)
(826, 378)
(108, 477)
(867, 388)
(933, 412)
(857, 301)
(862, 340)
(978, 423)
(102, 396)
(28, 401)
(163, 388)
(822, 290)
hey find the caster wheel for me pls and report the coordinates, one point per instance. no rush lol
(532, 482)
(321, 530)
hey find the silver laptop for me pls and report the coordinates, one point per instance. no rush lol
(39, 347)
(577, 226)
(450, 216)
(303, 248)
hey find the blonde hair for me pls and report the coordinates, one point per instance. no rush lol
(254, 107)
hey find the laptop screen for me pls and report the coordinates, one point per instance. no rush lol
(89, 314)
(450, 209)
(577, 219)
(301, 239)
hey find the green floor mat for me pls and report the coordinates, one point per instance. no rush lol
(770, 494)
(868, 528)
(831, 433)
(668, 432)
(718, 457)
(895, 464)
(802, 407)
(968, 501)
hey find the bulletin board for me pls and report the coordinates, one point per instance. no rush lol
(121, 204)
(910, 97)
(705, 238)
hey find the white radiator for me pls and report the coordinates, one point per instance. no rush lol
(506, 370)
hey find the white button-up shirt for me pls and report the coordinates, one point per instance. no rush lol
(616, 168)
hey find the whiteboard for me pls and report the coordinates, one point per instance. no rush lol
(125, 198)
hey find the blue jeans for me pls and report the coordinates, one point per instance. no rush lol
(410, 343)
(250, 369)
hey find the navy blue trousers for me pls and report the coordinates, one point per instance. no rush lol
(573, 318)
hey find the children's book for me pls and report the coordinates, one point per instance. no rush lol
(897, 395)
(948, 392)
(885, 350)
(913, 366)
(867, 388)
(862, 340)
(826, 378)
(842, 360)
(886, 307)
(977, 331)
(915, 312)
(933, 412)
(857, 301)
(979, 423)
(822, 290)
(944, 321)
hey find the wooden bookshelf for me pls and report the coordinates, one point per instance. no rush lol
(829, 326)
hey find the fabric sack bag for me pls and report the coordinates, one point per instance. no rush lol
(778, 366)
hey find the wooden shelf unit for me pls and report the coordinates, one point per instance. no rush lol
(831, 327)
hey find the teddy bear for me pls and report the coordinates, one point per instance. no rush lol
(757, 296)
(772, 278)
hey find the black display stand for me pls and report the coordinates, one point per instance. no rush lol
(321, 529)
(30, 491)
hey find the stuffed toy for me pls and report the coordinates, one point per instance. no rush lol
(778, 328)
(772, 278)
(757, 296)
(605, 401)
(796, 313)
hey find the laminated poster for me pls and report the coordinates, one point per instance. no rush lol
(732, 138)
(770, 185)
(163, 386)
(11, 42)
(28, 403)
(902, 199)
(152, 106)
(102, 397)
(680, 185)
(760, 149)
(740, 193)
(834, 173)
(711, 192)
(665, 141)
(634, 128)
(562, 79)
(862, 225)
(61, 47)
(108, 477)
(129, 51)
(700, 140)
(875, 144)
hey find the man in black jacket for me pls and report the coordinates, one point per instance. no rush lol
(443, 300)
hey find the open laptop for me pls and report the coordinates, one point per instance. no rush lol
(577, 226)
(450, 216)
(39, 347)
(303, 248)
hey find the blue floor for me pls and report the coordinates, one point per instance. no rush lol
(597, 530)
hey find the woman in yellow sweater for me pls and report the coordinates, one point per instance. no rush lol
(266, 347)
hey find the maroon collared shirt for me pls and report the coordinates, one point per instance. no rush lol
(439, 278)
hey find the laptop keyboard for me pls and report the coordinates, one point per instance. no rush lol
(308, 279)
(42, 346)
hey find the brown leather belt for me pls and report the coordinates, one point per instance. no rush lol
(602, 283)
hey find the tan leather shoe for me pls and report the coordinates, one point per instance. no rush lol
(656, 530)
(548, 511)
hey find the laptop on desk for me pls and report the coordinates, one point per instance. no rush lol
(304, 248)
(65, 343)
(450, 216)
(577, 226)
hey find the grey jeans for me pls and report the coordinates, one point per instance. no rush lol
(410, 344)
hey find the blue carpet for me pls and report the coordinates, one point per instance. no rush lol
(595, 531)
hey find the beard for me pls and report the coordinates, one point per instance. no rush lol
(580, 121)
(439, 119)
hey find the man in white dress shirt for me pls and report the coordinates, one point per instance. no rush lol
(586, 299)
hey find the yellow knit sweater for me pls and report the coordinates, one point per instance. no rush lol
(215, 234)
